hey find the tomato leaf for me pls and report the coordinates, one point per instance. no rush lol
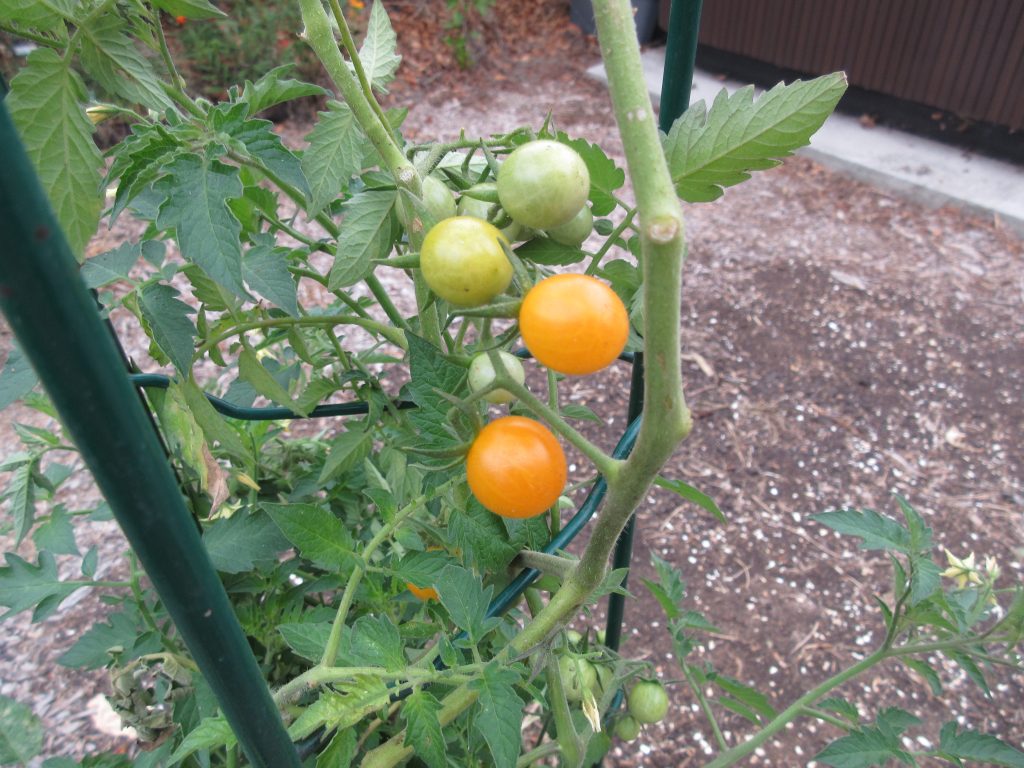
(23, 585)
(196, 189)
(64, 155)
(374, 641)
(841, 707)
(543, 250)
(466, 601)
(273, 88)
(605, 176)
(17, 379)
(499, 713)
(190, 9)
(44, 15)
(210, 733)
(21, 494)
(421, 568)
(708, 150)
(21, 733)
(111, 266)
(168, 322)
(379, 53)
(877, 531)
(265, 269)
(347, 450)
(340, 752)
(245, 541)
(111, 57)
(316, 533)
(258, 140)
(254, 373)
(57, 535)
(365, 236)
(342, 709)
(307, 638)
(481, 537)
(92, 649)
(980, 747)
(423, 729)
(688, 492)
(334, 155)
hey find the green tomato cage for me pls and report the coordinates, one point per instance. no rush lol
(81, 364)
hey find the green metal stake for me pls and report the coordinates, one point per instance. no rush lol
(676, 84)
(56, 322)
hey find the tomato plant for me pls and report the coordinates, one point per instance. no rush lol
(516, 467)
(309, 278)
(574, 324)
(543, 184)
(463, 262)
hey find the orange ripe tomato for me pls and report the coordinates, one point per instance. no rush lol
(573, 324)
(423, 593)
(516, 468)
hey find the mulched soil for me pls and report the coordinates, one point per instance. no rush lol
(841, 345)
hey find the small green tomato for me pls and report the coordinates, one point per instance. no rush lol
(578, 675)
(437, 200)
(543, 184)
(481, 373)
(574, 231)
(648, 701)
(627, 728)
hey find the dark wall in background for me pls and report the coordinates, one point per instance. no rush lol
(964, 56)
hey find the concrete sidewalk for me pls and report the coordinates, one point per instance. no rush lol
(925, 170)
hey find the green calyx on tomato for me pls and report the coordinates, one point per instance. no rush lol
(648, 701)
(543, 184)
(463, 261)
(482, 373)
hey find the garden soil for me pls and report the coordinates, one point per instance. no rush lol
(841, 345)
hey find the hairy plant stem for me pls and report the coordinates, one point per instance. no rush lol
(666, 419)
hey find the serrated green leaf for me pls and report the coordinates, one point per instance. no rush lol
(374, 641)
(841, 707)
(111, 57)
(18, 377)
(605, 176)
(920, 533)
(895, 721)
(688, 492)
(465, 599)
(91, 650)
(925, 579)
(190, 9)
(212, 732)
(669, 590)
(56, 535)
(877, 531)
(259, 141)
(421, 568)
(265, 270)
(543, 250)
(138, 162)
(214, 426)
(340, 752)
(21, 733)
(244, 541)
(365, 235)
(196, 190)
(971, 745)
(308, 639)
(252, 371)
(749, 696)
(315, 532)
(23, 585)
(342, 709)
(167, 318)
(90, 560)
(347, 450)
(968, 665)
(334, 155)
(43, 15)
(423, 730)
(21, 494)
(709, 150)
(925, 671)
(431, 374)
(61, 147)
(111, 266)
(863, 749)
(499, 713)
(273, 88)
(379, 52)
(481, 537)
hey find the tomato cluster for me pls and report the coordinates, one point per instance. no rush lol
(573, 324)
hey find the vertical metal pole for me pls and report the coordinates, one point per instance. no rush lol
(676, 83)
(55, 319)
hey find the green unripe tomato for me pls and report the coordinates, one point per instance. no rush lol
(648, 701)
(481, 373)
(578, 675)
(463, 262)
(574, 231)
(437, 199)
(543, 184)
(627, 728)
(472, 206)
